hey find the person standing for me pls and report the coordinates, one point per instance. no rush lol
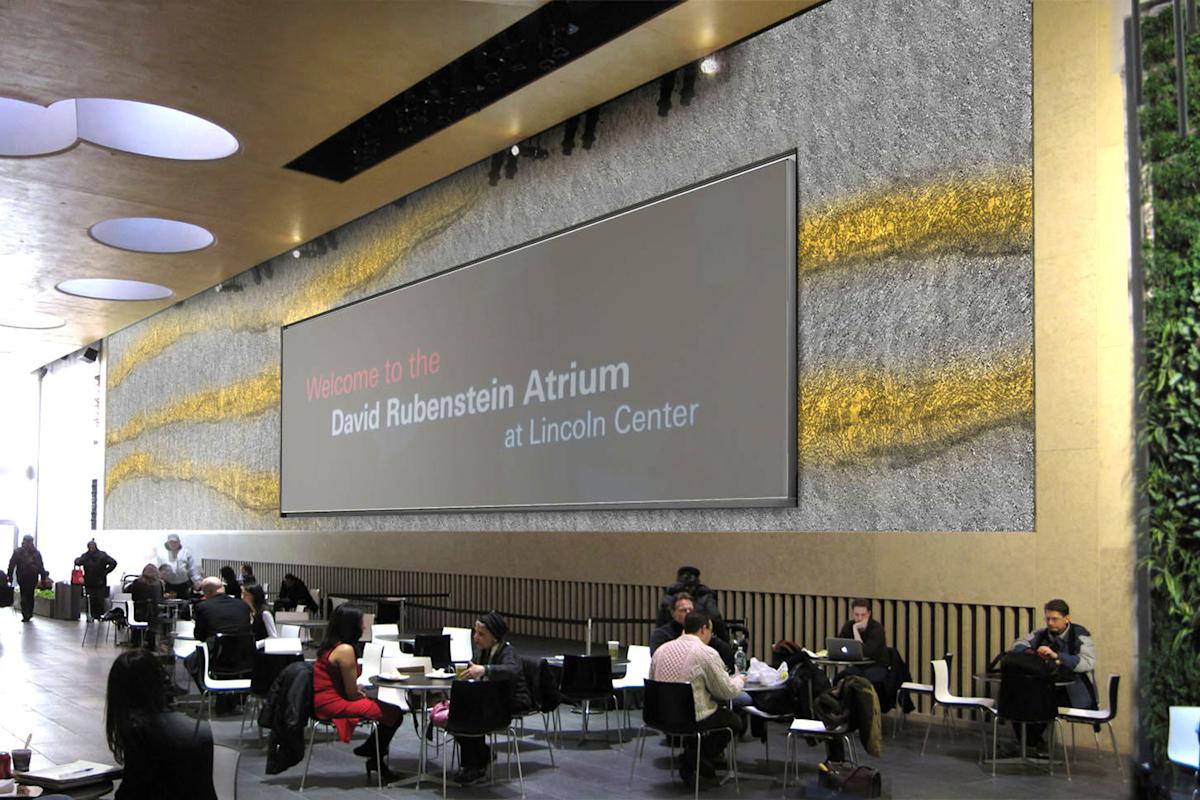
(96, 565)
(178, 568)
(24, 569)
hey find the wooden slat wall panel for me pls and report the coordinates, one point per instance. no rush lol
(920, 630)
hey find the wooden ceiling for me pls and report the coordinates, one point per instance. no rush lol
(281, 75)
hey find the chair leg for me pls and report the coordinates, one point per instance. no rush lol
(787, 759)
(515, 746)
(928, 727)
(378, 762)
(1116, 754)
(445, 758)
(1066, 757)
(312, 737)
(696, 769)
(995, 725)
(637, 750)
(731, 757)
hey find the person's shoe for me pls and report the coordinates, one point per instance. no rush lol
(366, 749)
(470, 775)
(687, 776)
(1042, 750)
(373, 766)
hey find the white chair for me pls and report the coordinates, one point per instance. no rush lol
(460, 644)
(316, 596)
(372, 662)
(1087, 716)
(636, 673)
(291, 616)
(814, 729)
(942, 697)
(291, 646)
(390, 629)
(291, 632)
(1183, 740)
(225, 769)
(214, 686)
(133, 623)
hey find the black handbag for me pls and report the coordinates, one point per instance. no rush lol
(848, 779)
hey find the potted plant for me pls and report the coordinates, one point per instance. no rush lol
(43, 602)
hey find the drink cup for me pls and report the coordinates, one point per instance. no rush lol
(460, 671)
(5, 765)
(614, 647)
(20, 759)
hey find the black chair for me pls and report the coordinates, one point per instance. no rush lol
(586, 679)
(670, 709)
(531, 669)
(549, 698)
(481, 709)
(435, 646)
(1026, 699)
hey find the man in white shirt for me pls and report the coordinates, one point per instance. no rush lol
(689, 659)
(178, 568)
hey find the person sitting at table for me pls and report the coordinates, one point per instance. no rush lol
(293, 593)
(146, 592)
(336, 695)
(687, 580)
(682, 604)
(163, 753)
(216, 613)
(496, 660)
(862, 628)
(261, 621)
(691, 659)
(247, 577)
(1069, 645)
(96, 565)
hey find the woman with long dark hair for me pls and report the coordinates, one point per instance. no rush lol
(229, 578)
(261, 620)
(162, 752)
(336, 695)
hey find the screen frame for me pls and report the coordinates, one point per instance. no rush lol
(792, 346)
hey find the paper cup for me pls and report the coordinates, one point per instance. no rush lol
(614, 647)
(20, 759)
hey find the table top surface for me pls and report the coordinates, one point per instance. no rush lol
(996, 677)
(751, 688)
(417, 683)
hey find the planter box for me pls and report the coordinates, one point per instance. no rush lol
(43, 607)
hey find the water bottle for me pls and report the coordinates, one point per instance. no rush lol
(740, 662)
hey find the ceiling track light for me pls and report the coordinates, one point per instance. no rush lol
(510, 163)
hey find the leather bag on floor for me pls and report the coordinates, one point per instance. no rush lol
(849, 779)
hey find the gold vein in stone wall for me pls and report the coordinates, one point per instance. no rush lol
(848, 416)
(977, 216)
(253, 491)
(366, 260)
(244, 398)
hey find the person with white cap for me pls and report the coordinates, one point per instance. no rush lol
(178, 568)
(24, 569)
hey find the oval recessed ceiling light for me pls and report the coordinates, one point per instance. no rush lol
(151, 130)
(21, 318)
(151, 235)
(29, 129)
(114, 289)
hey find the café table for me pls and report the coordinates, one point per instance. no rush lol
(992, 679)
(422, 686)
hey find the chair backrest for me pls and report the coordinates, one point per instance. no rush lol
(231, 655)
(121, 597)
(460, 643)
(1027, 698)
(1114, 683)
(278, 645)
(478, 707)
(669, 707)
(1183, 746)
(586, 676)
(372, 659)
(185, 628)
(436, 647)
(290, 631)
(225, 769)
(316, 596)
(549, 696)
(405, 661)
(941, 681)
(384, 629)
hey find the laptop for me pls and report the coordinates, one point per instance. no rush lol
(844, 649)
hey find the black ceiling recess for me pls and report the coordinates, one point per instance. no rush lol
(554, 35)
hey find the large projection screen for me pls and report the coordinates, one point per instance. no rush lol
(645, 359)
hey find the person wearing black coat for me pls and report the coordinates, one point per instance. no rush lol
(24, 569)
(96, 565)
(687, 579)
(496, 660)
(292, 593)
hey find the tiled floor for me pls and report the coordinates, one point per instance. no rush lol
(54, 689)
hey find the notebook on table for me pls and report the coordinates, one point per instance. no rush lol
(844, 649)
(67, 776)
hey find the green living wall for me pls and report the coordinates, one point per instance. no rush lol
(1168, 385)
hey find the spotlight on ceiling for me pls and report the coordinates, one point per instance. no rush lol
(711, 65)
(295, 254)
(515, 150)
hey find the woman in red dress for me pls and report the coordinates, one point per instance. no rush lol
(336, 695)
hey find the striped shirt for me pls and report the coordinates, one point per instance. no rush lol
(689, 660)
